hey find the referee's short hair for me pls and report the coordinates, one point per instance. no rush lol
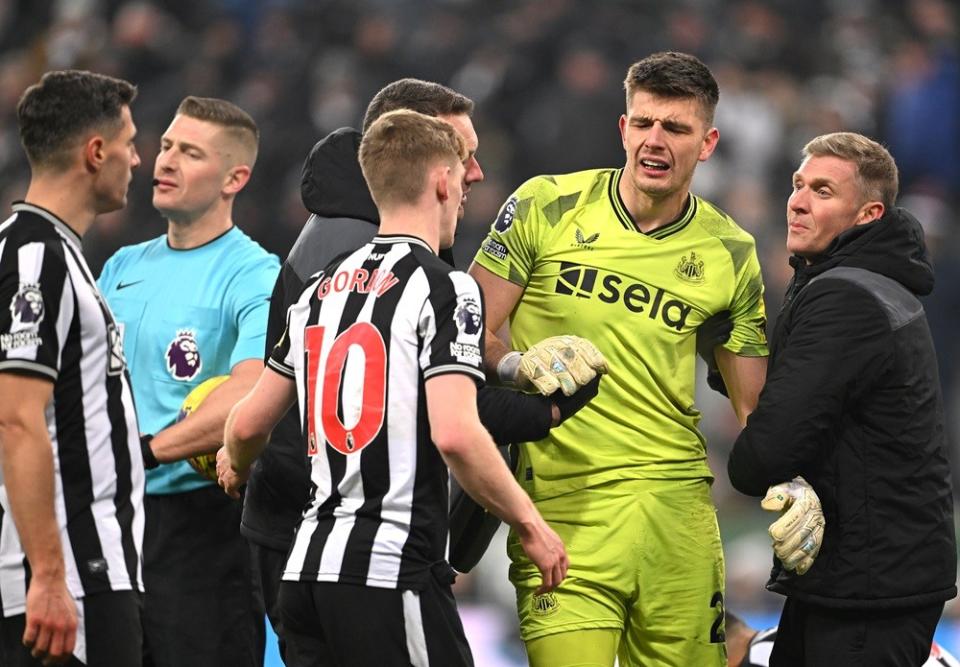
(399, 148)
(237, 123)
(427, 97)
(56, 113)
(674, 75)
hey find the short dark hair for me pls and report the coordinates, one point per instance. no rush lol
(674, 75)
(54, 113)
(426, 97)
(237, 122)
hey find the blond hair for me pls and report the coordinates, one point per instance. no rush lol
(877, 174)
(399, 148)
(238, 125)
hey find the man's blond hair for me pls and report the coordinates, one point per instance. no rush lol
(237, 124)
(877, 174)
(399, 148)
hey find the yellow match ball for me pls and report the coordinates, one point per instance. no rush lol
(205, 464)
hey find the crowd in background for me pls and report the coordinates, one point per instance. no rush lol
(547, 79)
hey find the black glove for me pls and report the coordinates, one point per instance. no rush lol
(569, 405)
(149, 460)
(714, 331)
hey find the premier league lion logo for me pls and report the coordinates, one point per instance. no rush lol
(183, 356)
(467, 316)
(26, 307)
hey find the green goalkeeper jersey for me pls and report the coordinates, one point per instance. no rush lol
(586, 270)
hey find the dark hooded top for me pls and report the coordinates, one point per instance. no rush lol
(344, 218)
(852, 403)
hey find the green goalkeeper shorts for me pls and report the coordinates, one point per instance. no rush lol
(645, 559)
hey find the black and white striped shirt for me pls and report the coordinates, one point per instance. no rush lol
(55, 325)
(361, 341)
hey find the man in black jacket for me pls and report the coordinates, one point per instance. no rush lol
(344, 218)
(852, 404)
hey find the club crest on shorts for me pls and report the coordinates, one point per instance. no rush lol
(545, 605)
(26, 308)
(467, 315)
(183, 356)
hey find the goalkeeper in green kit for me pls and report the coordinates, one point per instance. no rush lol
(630, 261)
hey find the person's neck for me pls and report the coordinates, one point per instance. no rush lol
(66, 198)
(186, 232)
(648, 212)
(412, 222)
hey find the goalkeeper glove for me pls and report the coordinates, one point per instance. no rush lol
(798, 533)
(559, 362)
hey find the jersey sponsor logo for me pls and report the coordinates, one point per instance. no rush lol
(183, 356)
(495, 249)
(545, 605)
(655, 302)
(506, 216)
(357, 280)
(690, 270)
(26, 308)
(466, 353)
(467, 315)
(582, 242)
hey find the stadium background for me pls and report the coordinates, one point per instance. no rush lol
(546, 76)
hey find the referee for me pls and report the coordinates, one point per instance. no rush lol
(71, 481)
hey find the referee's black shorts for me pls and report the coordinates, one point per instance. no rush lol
(361, 626)
(108, 633)
(202, 606)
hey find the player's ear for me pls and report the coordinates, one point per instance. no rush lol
(440, 176)
(94, 153)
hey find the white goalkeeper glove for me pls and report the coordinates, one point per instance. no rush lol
(798, 533)
(559, 362)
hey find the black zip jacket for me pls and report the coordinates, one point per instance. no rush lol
(852, 402)
(343, 218)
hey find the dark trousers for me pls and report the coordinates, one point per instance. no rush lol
(268, 566)
(110, 625)
(202, 606)
(346, 625)
(814, 636)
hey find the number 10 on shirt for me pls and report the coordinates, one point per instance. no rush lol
(367, 385)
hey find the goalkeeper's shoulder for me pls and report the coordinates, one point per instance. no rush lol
(718, 223)
(548, 188)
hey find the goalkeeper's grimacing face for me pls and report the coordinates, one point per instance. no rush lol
(664, 139)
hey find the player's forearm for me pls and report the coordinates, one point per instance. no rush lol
(744, 378)
(27, 462)
(494, 350)
(243, 438)
(481, 471)
(202, 433)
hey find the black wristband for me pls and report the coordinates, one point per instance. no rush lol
(149, 460)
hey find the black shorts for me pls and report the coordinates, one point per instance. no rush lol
(108, 634)
(811, 635)
(268, 564)
(362, 626)
(202, 606)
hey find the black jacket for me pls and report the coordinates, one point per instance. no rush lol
(852, 402)
(344, 218)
